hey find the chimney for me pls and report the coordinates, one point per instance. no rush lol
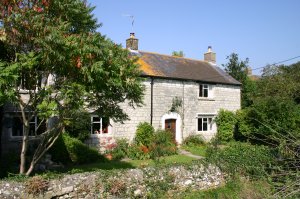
(210, 56)
(132, 42)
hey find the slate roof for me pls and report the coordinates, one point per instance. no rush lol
(172, 67)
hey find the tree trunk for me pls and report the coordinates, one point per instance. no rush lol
(23, 154)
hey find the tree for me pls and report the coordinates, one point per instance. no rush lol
(238, 70)
(178, 53)
(58, 63)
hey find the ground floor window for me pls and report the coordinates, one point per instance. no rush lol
(99, 125)
(36, 126)
(204, 123)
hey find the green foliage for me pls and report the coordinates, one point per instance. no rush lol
(163, 144)
(238, 70)
(120, 151)
(194, 140)
(176, 104)
(234, 189)
(225, 121)
(242, 159)
(79, 124)
(59, 152)
(62, 61)
(138, 152)
(79, 152)
(178, 53)
(144, 134)
(71, 150)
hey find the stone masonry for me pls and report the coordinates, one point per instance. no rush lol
(221, 96)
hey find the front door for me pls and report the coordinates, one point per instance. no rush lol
(170, 124)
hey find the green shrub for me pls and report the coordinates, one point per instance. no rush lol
(79, 124)
(69, 150)
(226, 121)
(194, 140)
(163, 144)
(144, 134)
(138, 152)
(120, 151)
(59, 152)
(242, 158)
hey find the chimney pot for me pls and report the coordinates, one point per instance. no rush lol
(132, 42)
(210, 56)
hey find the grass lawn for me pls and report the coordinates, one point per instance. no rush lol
(196, 149)
(125, 164)
(234, 190)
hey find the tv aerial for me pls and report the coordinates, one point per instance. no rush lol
(132, 20)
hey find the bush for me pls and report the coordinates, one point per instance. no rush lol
(144, 134)
(242, 158)
(79, 124)
(163, 144)
(194, 140)
(36, 185)
(120, 151)
(59, 152)
(138, 152)
(226, 121)
(79, 152)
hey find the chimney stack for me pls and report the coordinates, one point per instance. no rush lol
(132, 42)
(210, 56)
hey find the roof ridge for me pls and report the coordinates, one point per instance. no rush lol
(192, 59)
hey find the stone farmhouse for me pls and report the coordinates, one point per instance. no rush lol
(182, 95)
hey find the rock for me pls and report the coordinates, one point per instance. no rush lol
(137, 192)
(66, 190)
(188, 182)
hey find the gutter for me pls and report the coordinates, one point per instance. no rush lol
(151, 102)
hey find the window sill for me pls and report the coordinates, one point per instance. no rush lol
(206, 99)
(100, 135)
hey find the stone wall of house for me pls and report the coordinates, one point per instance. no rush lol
(164, 91)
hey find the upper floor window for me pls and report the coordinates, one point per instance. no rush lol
(203, 90)
(99, 125)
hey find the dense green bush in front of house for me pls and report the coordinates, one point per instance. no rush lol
(194, 140)
(59, 152)
(242, 159)
(71, 150)
(163, 144)
(144, 134)
(79, 152)
(79, 124)
(120, 151)
(226, 121)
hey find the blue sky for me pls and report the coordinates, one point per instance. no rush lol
(265, 31)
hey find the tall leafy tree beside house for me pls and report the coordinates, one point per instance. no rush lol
(56, 62)
(238, 69)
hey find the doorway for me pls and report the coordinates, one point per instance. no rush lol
(170, 125)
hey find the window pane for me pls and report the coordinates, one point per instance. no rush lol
(96, 128)
(95, 119)
(17, 126)
(204, 126)
(201, 90)
(205, 93)
(199, 124)
(105, 123)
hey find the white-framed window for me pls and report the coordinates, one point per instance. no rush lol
(204, 122)
(18, 129)
(99, 125)
(203, 90)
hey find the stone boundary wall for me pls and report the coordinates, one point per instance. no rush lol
(133, 183)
